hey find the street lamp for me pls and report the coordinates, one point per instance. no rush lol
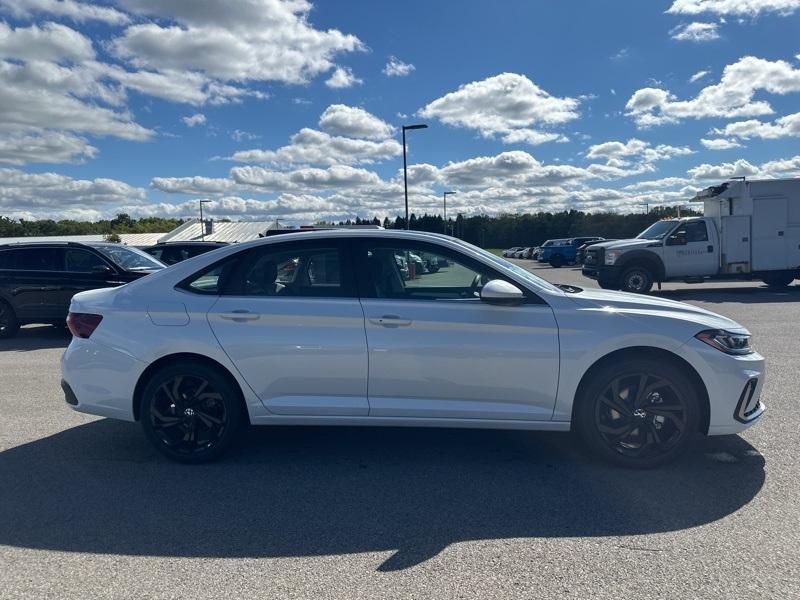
(202, 223)
(444, 197)
(405, 168)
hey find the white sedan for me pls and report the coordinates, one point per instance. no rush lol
(321, 328)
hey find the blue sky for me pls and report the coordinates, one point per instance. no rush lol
(291, 109)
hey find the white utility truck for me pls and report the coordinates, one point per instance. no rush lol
(750, 230)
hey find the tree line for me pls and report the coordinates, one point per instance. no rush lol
(122, 223)
(530, 229)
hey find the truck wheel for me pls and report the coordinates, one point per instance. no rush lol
(8, 321)
(778, 281)
(637, 279)
(557, 261)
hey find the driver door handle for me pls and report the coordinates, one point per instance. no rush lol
(239, 315)
(391, 321)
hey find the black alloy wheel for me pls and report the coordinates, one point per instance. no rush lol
(191, 413)
(8, 321)
(639, 415)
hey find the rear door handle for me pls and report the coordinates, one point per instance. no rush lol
(391, 321)
(240, 315)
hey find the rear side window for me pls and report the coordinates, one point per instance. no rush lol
(39, 259)
(83, 261)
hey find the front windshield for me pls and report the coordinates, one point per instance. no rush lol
(130, 259)
(657, 231)
(522, 273)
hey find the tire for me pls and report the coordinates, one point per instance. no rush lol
(9, 325)
(778, 281)
(637, 279)
(556, 261)
(171, 411)
(655, 435)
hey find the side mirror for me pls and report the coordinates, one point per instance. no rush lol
(102, 269)
(678, 239)
(501, 292)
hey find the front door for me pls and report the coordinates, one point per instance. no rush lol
(437, 350)
(289, 319)
(690, 251)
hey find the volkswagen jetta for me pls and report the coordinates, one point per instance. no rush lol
(322, 328)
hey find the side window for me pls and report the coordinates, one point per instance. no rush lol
(82, 261)
(412, 272)
(286, 271)
(211, 280)
(40, 259)
(696, 231)
(7, 259)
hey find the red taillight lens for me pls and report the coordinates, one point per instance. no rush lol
(82, 325)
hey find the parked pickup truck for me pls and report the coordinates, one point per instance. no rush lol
(750, 230)
(563, 251)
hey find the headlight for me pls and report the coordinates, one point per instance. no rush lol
(725, 341)
(612, 256)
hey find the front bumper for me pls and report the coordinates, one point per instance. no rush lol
(601, 272)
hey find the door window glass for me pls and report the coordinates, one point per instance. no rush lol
(282, 271)
(40, 259)
(696, 231)
(416, 273)
(81, 261)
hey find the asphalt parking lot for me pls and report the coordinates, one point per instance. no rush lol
(88, 510)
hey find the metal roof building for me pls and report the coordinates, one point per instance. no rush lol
(221, 231)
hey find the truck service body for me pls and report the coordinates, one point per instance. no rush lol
(750, 230)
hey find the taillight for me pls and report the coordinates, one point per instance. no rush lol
(82, 325)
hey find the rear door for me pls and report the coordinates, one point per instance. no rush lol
(769, 234)
(35, 282)
(437, 350)
(289, 318)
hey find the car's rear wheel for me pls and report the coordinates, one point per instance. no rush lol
(557, 261)
(637, 279)
(638, 413)
(192, 413)
(9, 325)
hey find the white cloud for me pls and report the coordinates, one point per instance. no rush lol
(788, 126)
(43, 147)
(239, 135)
(532, 137)
(720, 144)
(47, 192)
(350, 121)
(342, 77)
(740, 168)
(698, 76)
(311, 147)
(302, 180)
(746, 8)
(68, 9)
(397, 68)
(195, 119)
(48, 42)
(197, 185)
(789, 167)
(695, 32)
(507, 168)
(654, 184)
(732, 97)
(502, 104)
(254, 40)
(635, 148)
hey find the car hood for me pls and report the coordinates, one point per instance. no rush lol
(638, 305)
(631, 243)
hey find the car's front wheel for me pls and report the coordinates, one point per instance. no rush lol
(192, 413)
(638, 413)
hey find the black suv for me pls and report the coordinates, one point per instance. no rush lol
(38, 280)
(174, 252)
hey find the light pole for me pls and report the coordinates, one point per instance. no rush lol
(444, 197)
(202, 223)
(405, 168)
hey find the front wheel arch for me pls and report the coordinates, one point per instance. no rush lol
(648, 352)
(169, 359)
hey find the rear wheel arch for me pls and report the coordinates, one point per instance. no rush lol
(171, 359)
(658, 354)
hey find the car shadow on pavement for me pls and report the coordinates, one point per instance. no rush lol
(37, 338)
(99, 488)
(735, 295)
